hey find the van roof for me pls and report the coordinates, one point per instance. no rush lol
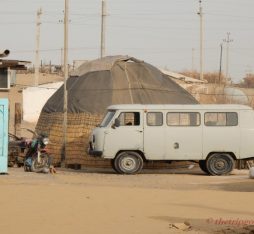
(179, 107)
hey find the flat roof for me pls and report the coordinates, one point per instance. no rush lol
(180, 107)
(13, 64)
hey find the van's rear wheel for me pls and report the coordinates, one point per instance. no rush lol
(202, 165)
(128, 162)
(220, 164)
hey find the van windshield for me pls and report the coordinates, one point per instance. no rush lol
(108, 117)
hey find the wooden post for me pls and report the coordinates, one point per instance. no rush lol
(18, 118)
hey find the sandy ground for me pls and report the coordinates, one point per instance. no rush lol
(100, 201)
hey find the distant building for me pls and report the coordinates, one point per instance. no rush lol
(9, 90)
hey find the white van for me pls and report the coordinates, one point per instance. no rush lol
(215, 135)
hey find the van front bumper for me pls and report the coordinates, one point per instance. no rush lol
(95, 153)
(92, 152)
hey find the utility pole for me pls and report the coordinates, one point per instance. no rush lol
(62, 60)
(192, 60)
(227, 40)
(66, 75)
(221, 50)
(103, 24)
(37, 51)
(200, 13)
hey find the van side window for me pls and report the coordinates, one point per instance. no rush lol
(221, 119)
(129, 119)
(154, 119)
(183, 119)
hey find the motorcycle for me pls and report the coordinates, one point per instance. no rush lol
(17, 148)
(37, 158)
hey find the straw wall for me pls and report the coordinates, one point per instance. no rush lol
(78, 131)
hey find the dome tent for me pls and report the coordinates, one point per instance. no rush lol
(91, 89)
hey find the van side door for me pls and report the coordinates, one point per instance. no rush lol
(154, 135)
(184, 136)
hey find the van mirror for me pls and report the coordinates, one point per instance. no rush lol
(116, 124)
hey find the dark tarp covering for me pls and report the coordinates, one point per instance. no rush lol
(117, 80)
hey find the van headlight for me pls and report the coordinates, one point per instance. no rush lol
(45, 141)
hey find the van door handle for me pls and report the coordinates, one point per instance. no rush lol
(176, 145)
(139, 130)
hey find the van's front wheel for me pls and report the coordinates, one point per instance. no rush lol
(220, 164)
(128, 162)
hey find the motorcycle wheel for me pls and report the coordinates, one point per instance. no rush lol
(27, 168)
(40, 166)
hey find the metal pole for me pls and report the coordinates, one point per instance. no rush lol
(103, 24)
(221, 48)
(66, 75)
(200, 13)
(37, 53)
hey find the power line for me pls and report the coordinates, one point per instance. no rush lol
(126, 15)
(51, 50)
(151, 50)
(234, 16)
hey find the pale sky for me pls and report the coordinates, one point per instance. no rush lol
(162, 32)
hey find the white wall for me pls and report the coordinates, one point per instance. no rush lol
(34, 99)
